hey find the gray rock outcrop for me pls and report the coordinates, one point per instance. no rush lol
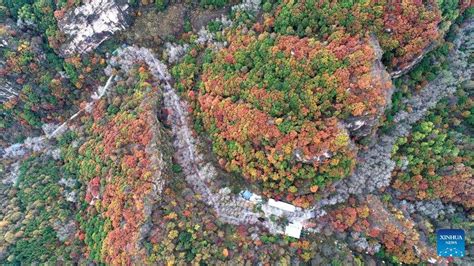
(87, 26)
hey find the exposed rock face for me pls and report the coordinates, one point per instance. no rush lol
(248, 5)
(8, 89)
(375, 164)
(92, 23)
(364, 125)
(400, 72)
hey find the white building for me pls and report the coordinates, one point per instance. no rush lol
(294, 229)
(281, 205)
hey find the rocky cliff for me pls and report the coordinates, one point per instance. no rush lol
(92, 23)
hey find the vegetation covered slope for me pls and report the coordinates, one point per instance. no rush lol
(37, 216)
(48, 88)
(405, 29)
(278, 100)
(275, 106)
(116, 173)
(279, 95)
(118, 161)
(436, 160)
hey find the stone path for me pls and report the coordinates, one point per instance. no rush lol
(201, 175)
(374, 172)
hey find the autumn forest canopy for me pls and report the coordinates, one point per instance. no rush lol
(309, 132)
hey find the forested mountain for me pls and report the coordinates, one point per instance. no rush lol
(235, 132)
